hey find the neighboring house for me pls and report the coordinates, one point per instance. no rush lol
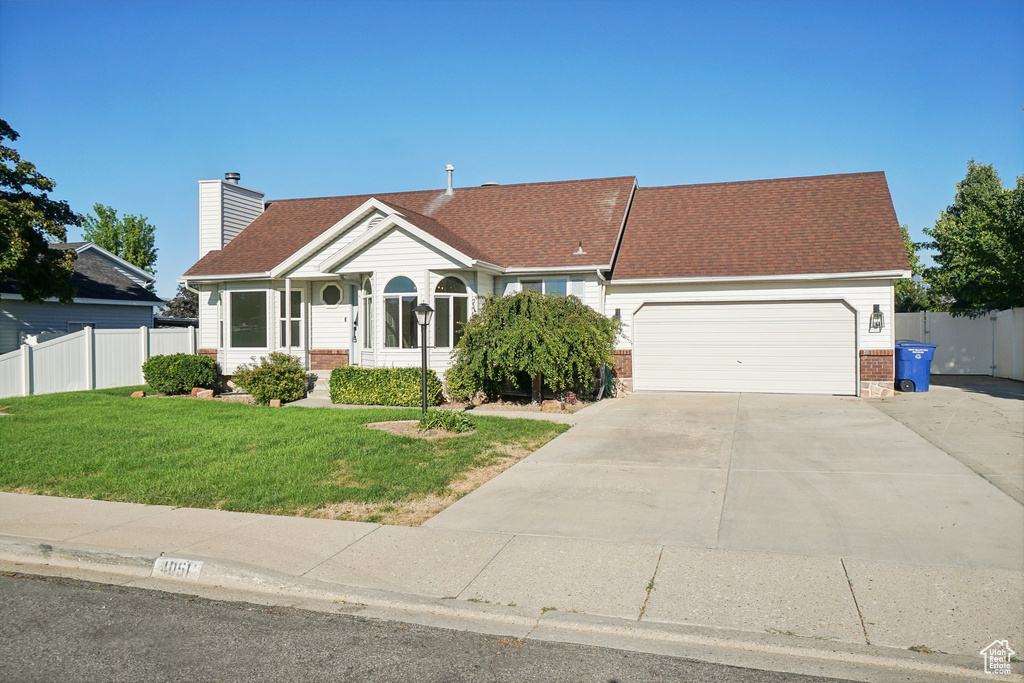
(109, 293)
(768, 285)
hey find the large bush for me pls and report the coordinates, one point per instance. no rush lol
(526, 337)
(460, 383)
(383, 386)
(178, 373)
(278, 375)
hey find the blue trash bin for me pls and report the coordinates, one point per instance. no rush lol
(913, 365)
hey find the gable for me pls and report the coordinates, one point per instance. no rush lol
(398, 250)
(312, 266)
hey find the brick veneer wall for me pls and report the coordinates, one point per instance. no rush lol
(877, 372)
(212, 353)
(622, 371)
(327, 359)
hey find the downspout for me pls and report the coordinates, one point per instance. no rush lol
(601, 285)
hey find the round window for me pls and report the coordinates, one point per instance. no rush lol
(331, 295)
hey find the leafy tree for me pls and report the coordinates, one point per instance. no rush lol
(911, 295)
(29, 221)
(528, 338)
(980, 244)
(130, 237)
(185, 304)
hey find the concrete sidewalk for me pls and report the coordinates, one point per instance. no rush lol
(876, 609)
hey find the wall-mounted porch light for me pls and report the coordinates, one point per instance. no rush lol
(877, 319)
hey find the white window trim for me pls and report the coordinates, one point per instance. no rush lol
(369, 333)
(451, 309)
(267, 311)
(301, 318)
(341, 289)
(384, 315)
(544, 283)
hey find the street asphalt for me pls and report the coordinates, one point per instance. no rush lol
(62, 629)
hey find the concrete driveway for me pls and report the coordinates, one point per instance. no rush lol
(813, 475)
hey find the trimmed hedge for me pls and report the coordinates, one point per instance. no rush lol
(461, 383)
(178, 373)
(382, 386)
(277, 376)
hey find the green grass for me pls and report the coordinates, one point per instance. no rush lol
(187, 452)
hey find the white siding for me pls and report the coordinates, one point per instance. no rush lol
(240, 206)
(787, 347)
(311, 267)
(209, 316)
(224, 211)
(331, 326)
(399, 252)
(861, 295)
(210, 235)
(19, 317)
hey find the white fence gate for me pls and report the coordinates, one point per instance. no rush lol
(88, 359)
(990, 345)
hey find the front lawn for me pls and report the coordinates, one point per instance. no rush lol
(195, 453)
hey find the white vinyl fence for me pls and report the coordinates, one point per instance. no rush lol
(990, 345)
(88, 359)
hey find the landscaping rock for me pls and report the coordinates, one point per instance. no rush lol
(204, 393)
(139, 394)
(552, 407)
(195, 391)
(570, 398)
(478, 399)
(275, 403)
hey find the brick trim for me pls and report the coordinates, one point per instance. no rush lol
(876, 365)
(327, 359)
(212, 353)
(623, 366)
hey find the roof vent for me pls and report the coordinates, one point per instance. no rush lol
(579, 250)
(232, 178)
(450, 169)
(489, 183)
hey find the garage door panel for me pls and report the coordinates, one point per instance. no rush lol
(791, 347)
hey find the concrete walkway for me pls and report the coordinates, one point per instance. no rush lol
(977, 420)
(821, 476)
(800, 599)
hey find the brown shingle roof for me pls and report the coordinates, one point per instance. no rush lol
(533, 224)
(821, 224)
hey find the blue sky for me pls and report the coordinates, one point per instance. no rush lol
(129, 104)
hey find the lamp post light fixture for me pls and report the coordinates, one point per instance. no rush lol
(423, 315)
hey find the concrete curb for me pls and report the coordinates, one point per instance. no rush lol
(218, 579)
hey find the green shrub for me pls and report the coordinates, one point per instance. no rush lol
(448, 420)
(277, 376)
(382, 386)
(513, 339)
(178, 373)
(461, 383)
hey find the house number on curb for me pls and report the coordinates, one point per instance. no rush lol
(177, 569)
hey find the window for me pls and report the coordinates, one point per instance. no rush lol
(367, 315)
(556, 285)
(532, 285)
(249, 320)
(399, 319)
(296, 319)
(78, 327)
(331, 294)
(451, 311)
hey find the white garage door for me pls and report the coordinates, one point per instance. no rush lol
(798, 347)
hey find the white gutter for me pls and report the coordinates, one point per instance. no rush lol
(550, 269)
(218, 278)
(867, 275)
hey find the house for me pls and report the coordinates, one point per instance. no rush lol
(109, 293)
(779, 285)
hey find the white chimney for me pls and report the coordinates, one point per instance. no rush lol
(451, 170)
(225, 209)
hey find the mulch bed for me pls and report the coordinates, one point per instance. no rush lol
(412, 428)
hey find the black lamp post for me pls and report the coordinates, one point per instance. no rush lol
(423, 315)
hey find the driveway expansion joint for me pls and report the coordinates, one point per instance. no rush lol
(853, 595)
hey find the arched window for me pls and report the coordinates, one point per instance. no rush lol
(367, 296)
(399, 319)
(451, 311)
